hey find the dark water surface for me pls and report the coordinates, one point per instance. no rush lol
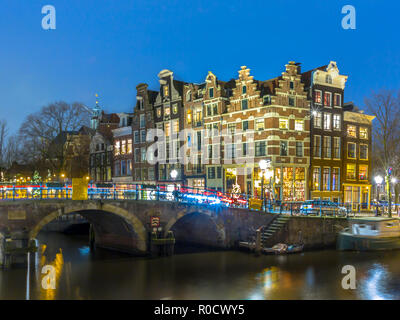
(81, 274)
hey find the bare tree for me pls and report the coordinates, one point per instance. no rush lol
(3, 137)
(385, 106)
(45, 134)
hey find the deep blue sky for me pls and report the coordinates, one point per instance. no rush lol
(110, 46)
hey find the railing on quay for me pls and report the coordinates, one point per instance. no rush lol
(112, 191)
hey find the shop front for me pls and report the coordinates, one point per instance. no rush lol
(290, 184)
(357, 196)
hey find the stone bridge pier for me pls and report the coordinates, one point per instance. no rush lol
(124, 225)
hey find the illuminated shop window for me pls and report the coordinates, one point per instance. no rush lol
(351, 131)
(363, 133)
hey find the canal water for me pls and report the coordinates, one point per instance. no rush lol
(199, 274)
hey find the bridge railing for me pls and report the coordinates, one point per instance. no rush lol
(110, 191)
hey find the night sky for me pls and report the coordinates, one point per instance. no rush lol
(108, 47)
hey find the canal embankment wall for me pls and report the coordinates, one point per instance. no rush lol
(314, 232)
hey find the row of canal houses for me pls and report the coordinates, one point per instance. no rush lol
(216, 133)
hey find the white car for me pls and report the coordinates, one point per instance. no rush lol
(322, 207)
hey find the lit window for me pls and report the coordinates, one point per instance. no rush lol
(363, 172)
(326, 179)
(317, 97)
(363, 133)
(166, 91)
(327, 99)
(129, 146)
(335, 179)
(123, 147)
(316, 178)
(259, 124)
(167, 111)
(317, 119)
(189, 116)
(351, 131)
(167, 129)
(283, 123)
(336, 121)
(299, 125)
(158, 112)
(351, 171)
(175, 126)
(117, 148)
(327, 121)
(175, 108)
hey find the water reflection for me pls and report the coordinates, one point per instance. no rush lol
(373, 287)
(84, 274)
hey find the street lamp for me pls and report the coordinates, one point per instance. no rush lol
(174, 174)
(263, 166)
(378, 181)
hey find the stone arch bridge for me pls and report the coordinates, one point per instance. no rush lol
(124, 225)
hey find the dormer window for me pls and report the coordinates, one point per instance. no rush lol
(267, 100)
(140, 104)
(244, 90)
(328, 79)
(211, 92)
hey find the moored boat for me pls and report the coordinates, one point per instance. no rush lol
(369, 234)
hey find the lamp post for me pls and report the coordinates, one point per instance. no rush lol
(378, 181)
(394, 181)
(174, 174)
(269, 174)
(263, 166)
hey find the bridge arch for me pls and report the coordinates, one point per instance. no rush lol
(200, 226)
(90, 207)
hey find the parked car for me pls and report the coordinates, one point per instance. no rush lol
(323, 207)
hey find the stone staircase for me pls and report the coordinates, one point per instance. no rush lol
(273, 227)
